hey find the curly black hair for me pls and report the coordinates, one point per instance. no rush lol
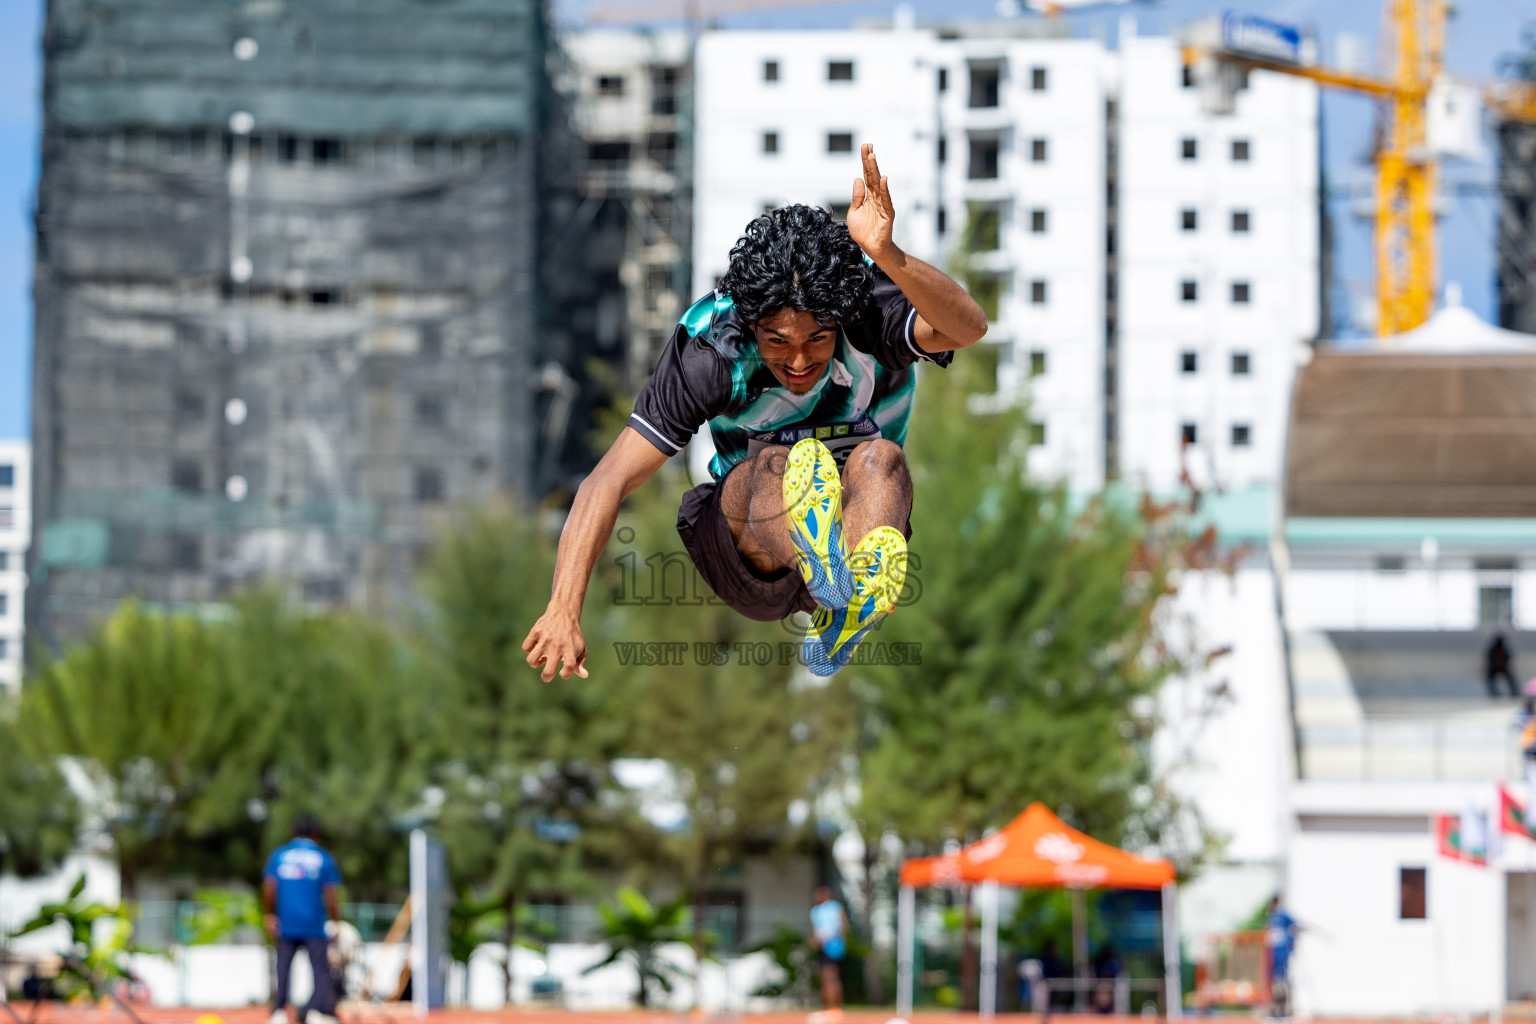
(799, 257)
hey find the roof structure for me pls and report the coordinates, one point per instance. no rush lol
(1437, 421)
(1038, 849)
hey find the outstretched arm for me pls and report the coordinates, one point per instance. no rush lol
(556, 638)
(947, 317)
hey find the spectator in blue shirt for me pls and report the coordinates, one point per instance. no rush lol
(298, 888)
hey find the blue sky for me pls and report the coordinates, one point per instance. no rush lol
(1482, 32)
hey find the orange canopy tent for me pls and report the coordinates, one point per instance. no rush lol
(1036, 849)
(1039, 849)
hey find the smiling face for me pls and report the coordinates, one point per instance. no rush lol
(796, 349)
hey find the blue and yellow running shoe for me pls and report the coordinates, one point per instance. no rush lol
(813, 509)
(879, 569)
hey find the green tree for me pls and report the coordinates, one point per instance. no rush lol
(635, 930)
(200, 739)
(528, 802)
(166, 740)
(745, 738)
(39, 813)
(1040, 650)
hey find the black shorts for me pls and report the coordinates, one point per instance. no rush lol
(763, 597)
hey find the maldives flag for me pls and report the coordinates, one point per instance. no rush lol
(1458, 841)
(1512, 817)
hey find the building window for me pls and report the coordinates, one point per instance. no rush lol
(609, 155)
(1037, 292)
(1240, 364)
(7, 515)
(840, 71)
(985, 80)
(943, 221)
(5, 604)
(5, 560)
(610, 85)
(186, 552)
(1037, 79)
(1240, 151)
(770, 71)
(661, 148)
(327, 151)
(1240, 292)
(1187, 76)
(1036, 433)
(1037, 222)
(1188, 433)
(1413, 891)
(839, 142)
(189, 407)
(1496, 605)
(1188, 149)
(1037, 151)
(1188, 220)
(429, 484)
(1391, 564)
(1036, 363)
(1242, 435)
(1189, 362)
(770, 142)
(7, 475)
(1189, 291)
(943, 149)
(1241, 223)
(664, 83)
(943, 79)
(187, 477)
(984, 156)
(4, 649)
(430, 411)
(986, 227)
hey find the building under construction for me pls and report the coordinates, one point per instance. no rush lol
(305, 278)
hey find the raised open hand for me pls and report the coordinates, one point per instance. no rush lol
(871, 216)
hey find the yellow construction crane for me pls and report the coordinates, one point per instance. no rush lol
(1220, 54)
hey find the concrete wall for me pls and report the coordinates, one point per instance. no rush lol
(1359, 956)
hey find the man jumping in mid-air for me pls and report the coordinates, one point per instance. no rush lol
(805, 343)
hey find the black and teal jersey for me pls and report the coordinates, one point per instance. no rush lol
(710, 372)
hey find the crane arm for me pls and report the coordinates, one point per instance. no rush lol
(1323, 76)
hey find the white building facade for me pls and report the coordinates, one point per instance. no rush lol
(15, 538)
(1058, 165)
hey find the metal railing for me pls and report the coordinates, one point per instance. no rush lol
(162, 923)
(1410, 748)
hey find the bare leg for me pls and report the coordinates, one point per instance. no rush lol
(877, 490)
(753, 503)
(831, 986)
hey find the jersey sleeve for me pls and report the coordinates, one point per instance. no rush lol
(691, 384)
(887, 328)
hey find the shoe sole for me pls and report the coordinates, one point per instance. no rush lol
(879, 569)
(813, 510)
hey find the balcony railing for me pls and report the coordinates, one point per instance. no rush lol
(1411, 748)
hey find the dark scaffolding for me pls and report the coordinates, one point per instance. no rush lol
(298, 291)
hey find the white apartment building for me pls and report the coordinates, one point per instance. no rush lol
(1152, 270)
(1218, 267)
(15, 537)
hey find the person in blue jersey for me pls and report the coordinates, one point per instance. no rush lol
(298, 892)
(829, 938)
(801, 363)
(1280, 930)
